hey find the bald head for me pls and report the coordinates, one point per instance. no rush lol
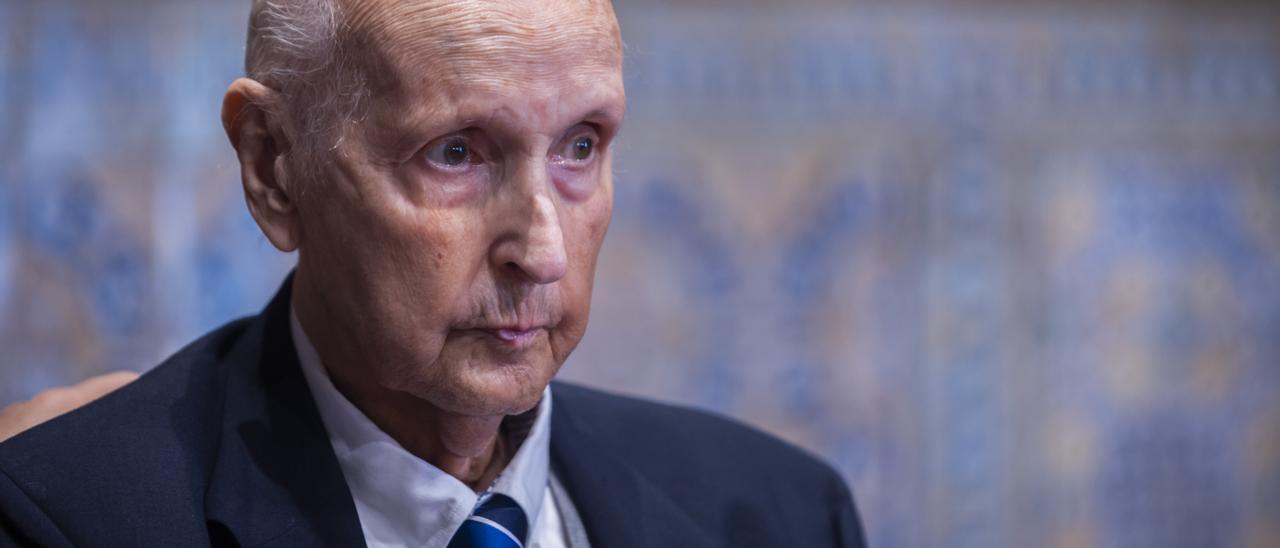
(477, 31)
(325, 58)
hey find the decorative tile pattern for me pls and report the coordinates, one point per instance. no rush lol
(1011, 268)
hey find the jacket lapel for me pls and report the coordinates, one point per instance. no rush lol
(619, 506)
(276, 479)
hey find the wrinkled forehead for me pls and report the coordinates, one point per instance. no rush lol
(519, 42)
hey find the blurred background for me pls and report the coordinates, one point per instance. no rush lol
(1012, 267)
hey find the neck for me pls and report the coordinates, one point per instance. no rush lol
(466, 447)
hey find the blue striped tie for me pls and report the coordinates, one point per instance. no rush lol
(497, 523)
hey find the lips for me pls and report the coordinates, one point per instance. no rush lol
(515, 337)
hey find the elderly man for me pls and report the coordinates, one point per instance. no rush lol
(443, 170)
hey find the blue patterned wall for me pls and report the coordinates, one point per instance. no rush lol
(1014, 268)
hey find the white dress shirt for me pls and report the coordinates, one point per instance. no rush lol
(402, 500)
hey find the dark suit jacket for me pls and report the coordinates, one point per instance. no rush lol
(222, 444)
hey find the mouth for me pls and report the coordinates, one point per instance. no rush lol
(513, 337)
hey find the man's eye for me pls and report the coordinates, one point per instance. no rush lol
(450, 153)
(580, 149)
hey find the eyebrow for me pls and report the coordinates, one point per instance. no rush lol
(608, 114)
(602, 112)
(613, 117)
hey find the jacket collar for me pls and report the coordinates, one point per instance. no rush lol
(275, 479)
(620, 507)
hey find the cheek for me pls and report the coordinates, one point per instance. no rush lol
(435, 257)
(591, 224)
(584, 236)
(409, 269)
(423, 285)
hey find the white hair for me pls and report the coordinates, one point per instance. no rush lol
(295, 47)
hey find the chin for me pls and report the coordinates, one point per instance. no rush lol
(492, 396)
(483, 385)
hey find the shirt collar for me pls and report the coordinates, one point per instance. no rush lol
(400, 498)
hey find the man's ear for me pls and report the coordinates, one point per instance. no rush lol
(260, 142)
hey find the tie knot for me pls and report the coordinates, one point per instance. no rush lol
(498, 522)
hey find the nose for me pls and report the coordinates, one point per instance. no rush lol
(533, 245)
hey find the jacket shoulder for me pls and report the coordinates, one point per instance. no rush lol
(137, 453)
(696, 455)
(677, 439)
(668, 432)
